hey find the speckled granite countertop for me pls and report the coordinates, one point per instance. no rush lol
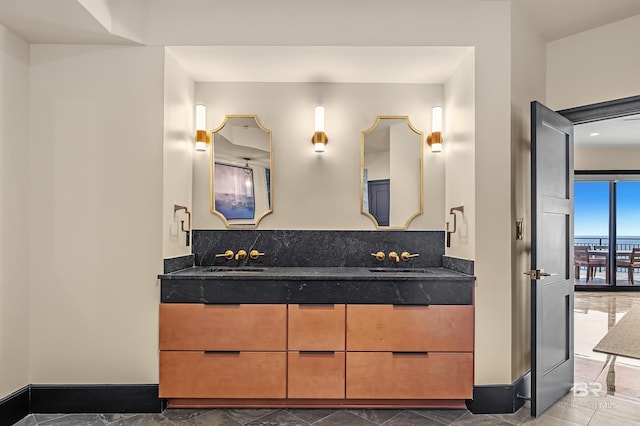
(317, 285)
(260, 273)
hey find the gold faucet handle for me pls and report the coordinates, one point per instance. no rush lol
(241, 254)
(227, 254)
(393, 256)
(254, 254)
(406, 255)
(379, 256)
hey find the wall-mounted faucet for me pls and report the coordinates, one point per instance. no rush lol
(228, 254)
(452, 211)
(379, 256)
(177, 208)
(406, 255)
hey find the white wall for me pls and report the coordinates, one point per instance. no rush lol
(14, 208)
(606, 158)
(96, 133)
(528, 64)
(311, 190)
(179, 146)
(594, 66)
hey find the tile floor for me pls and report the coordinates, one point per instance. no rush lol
(612, 384)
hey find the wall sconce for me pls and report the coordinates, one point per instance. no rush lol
(319, 139)
(434, 140)
(203, 137)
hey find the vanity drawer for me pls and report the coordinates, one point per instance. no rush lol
(410, 328)
(222, 374)
(316, 327)
(387, 375)
(223, 327)
(316, 375)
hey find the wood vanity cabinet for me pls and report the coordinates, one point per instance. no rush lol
(316, 359)
(222, 351)
(316, 355)
(409, 352)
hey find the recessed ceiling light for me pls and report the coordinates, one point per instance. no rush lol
(594, 134)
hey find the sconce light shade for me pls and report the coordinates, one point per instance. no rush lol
(434, 140)
(319, 139)
(203, 137)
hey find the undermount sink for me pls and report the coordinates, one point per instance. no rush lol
(235, 270)
(400, 270)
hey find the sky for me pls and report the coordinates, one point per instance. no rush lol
(591, 209)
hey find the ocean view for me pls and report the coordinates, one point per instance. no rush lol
(622, 242)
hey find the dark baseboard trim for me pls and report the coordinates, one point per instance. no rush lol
(500, 399)
(14, 407)
(96, 399)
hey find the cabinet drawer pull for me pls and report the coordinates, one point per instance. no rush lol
(410, 305)
(409, 353)
(302, 305)
(222, 304)
(222, 352)
(317, 352)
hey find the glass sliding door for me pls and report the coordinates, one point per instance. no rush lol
(627, 210)
(606, 231)
(591, 232)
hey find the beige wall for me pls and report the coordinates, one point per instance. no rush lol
(459, 151)
(95, 246)
(594, 66)
(98, 203)
(528, 62)
(606, 158)
(14, 208)
(178, 151)
(311, 190)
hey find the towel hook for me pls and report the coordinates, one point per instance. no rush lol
(452, 211)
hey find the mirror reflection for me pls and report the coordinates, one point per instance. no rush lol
(391, 172)
(240, 171)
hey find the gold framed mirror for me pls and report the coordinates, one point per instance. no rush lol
(392, 172)
(241, 171)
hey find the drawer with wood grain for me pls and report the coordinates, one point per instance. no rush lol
(410, 328)
(316, 327)
(417, 375)
(185, 374)
(194, 326)
(316, 374)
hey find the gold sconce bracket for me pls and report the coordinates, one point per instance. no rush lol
(203, 136)
(320, 137)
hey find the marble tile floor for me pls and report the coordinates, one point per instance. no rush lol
(608, 392)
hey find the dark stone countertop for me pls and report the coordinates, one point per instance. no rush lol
(259, 273)
(317, 285)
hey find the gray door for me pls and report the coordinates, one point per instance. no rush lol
(551, 257)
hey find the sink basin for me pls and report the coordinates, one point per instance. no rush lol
(227, 269)
(400, 270)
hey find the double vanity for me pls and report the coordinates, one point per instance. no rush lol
(338, 330)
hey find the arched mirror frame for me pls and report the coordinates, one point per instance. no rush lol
(212, 172)
(421, 186)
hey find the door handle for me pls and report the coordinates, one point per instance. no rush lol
(537, 274)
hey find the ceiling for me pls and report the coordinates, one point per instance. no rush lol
(621, 132)
(172, 22)
(192, 26)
